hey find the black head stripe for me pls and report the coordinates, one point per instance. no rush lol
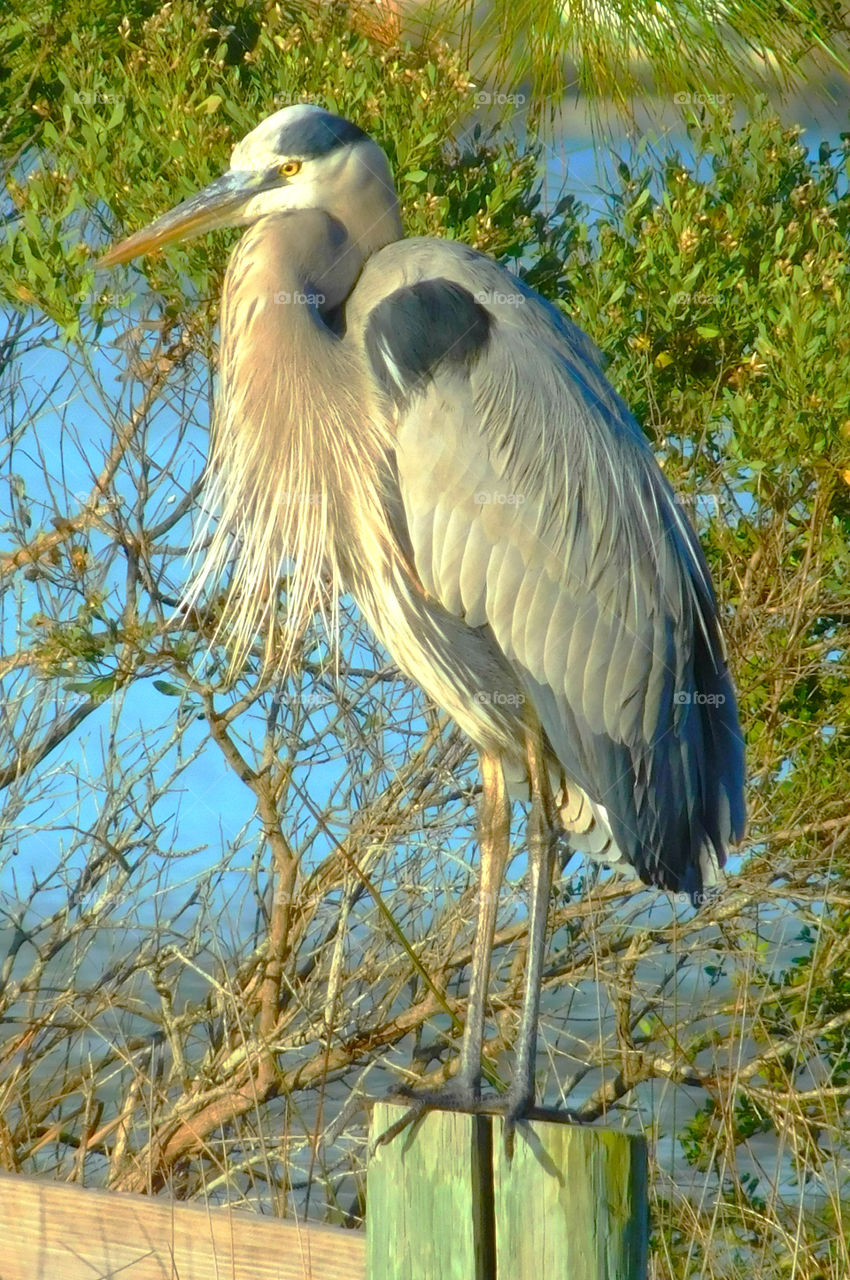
(316, 134)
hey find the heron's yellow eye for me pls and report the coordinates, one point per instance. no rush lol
(289, 168)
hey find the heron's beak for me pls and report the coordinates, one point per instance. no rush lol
(218, 205)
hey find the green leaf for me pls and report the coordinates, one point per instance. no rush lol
(170, 690)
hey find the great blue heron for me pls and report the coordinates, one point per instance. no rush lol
(410, 422)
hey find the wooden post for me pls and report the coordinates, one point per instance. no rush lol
(444, 1203)
(429, 1213)
(571, 1204)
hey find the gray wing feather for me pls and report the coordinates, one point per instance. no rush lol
(583, 566)
(471, 582)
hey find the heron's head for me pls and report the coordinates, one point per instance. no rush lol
(300, 158)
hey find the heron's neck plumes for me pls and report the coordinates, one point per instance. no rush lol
(296, 458)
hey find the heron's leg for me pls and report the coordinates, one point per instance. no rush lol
(463, 1091)
(494, 845)
(541, 860)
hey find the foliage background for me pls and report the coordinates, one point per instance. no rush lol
(228, 915)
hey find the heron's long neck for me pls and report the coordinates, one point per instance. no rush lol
(296, 455)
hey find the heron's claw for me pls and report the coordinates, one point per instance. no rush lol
(454, 1095)
(514, 1109)
(398, 1126)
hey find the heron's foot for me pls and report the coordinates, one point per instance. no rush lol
(516, 1108)
(398, 1126)
(455, 1095)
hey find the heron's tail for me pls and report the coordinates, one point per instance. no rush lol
(588, 830)
(585, 824)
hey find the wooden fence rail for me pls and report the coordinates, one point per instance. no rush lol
(52, 1231)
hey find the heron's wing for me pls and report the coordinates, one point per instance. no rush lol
(535, 508)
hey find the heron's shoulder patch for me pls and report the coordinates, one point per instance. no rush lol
(420, 327)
